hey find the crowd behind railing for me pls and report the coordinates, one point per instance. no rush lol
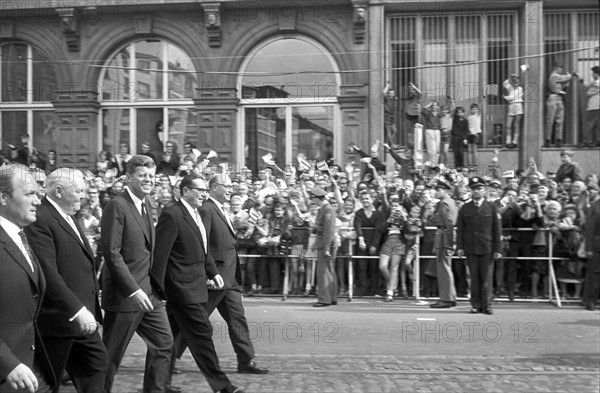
(274, 218)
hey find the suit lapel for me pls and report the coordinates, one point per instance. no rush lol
(13, 250)
(192, 223)
(65, 225)
(223, 218)
(138, 217)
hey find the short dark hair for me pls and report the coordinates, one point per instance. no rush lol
(188, 181)
(137, 161)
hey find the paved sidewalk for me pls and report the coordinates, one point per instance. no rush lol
(371, 346)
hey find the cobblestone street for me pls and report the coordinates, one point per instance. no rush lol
(371, 346)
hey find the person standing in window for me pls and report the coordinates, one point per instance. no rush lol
(592, 122)
(460, 132)
(432, 114)
(514, 97)
(169, 163)
(120, 160)
(555, 107)
(474, 119)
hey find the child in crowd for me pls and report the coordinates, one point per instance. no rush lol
(568, 242)
(413, 227)
(540, 246)
(475, 131)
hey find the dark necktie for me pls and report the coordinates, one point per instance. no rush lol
(27, 249)
(146, 217)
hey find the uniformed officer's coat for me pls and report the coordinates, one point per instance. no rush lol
(478, 230)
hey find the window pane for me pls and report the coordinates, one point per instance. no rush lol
(500, 48)
(149, 84)
(115, 86)
(14, 124)
(149, 121)
(312, 132)
(44, 131)
(14, 73)
(44, 78)
(588, 30)
(182, 123)
(466, 89)
(403, 61)
(115, 129)
(433, 80)
(265, 133)
(181, 84)
(282, 59)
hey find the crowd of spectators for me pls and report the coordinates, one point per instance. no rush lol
(274, 219)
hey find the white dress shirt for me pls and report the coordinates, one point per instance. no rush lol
(194, 213)
(13, 232)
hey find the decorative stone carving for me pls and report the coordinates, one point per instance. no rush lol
(212, 21)
(360, 21)
(7, 28)
(70, 27)
(143, 25)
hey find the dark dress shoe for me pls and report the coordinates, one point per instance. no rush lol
(476, 311)
(441, 304)
(173, 389)
(175, 370)
(321, 305)
(453, 303)
(334, 303)
(232, 389)
(251, 368)
(488, 311)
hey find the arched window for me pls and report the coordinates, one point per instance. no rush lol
(147, 91)
(28, 85)
(289, 93)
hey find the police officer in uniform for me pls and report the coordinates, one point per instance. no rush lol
(444, 219)
(326, 250)
(478, 238)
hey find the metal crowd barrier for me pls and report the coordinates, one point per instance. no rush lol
(552, 289)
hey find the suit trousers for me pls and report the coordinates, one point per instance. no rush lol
(326, 279)
(555, 114)
(229, 304)
(591, 289)
(432, 140)
(197, 331)
(482, 272)
(153, 327)
(445, 278)
(84, 358)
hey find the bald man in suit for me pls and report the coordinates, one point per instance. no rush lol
(222, 248)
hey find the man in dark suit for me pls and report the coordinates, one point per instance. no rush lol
(68, 320)
(131, 296)
(444, 219)
(24, 364)
(478, 238)
(222, 248)
(181, 266)
(592, 248)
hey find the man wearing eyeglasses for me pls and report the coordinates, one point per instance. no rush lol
(222, 248)
(181, 265)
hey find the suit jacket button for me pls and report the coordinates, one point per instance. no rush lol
(35, 296)
(33, 347)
